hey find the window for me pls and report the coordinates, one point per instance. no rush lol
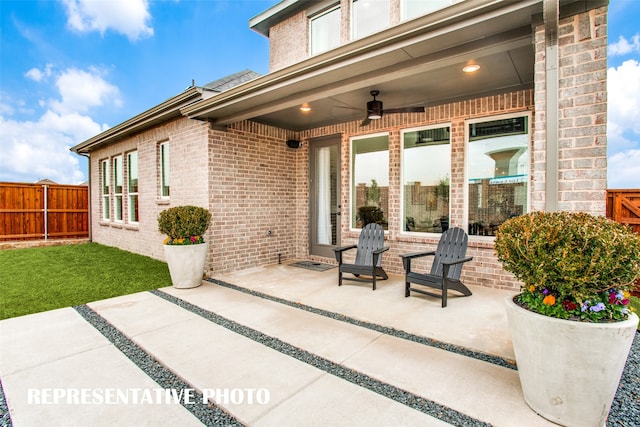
(426, 168)
(369, 16)
(117, 188)
(104, 189)
(325, 31)
(369, 180)
(498, 170)
(132, 185)
(414, 8)
(164, 170)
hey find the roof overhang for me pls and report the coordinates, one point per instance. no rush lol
(416, 63)
(167, 110)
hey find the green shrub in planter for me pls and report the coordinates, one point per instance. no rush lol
(184, 225)
(573, 265)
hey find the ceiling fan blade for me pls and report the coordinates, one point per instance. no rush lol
(366, 121)
(405, 110)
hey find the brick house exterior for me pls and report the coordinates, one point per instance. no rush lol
(227, 148)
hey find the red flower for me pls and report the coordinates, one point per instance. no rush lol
(569, 305)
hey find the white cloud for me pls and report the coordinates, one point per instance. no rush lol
(38, 75)
(624, 103)
(623, 126)
(81, 90)
(624, 46)
(624, 170)
(33, 150)
(128, 17)
(36, 149)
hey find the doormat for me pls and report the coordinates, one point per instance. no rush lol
(312, 265)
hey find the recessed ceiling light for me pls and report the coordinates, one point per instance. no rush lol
(471, 68)
(305, 108)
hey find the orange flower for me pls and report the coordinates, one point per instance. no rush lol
(549, 300)
(532, 288)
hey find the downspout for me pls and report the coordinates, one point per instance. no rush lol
(551, 11)
(88, 156)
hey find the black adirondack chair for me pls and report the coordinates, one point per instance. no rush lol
(445, 270)
(368, 257)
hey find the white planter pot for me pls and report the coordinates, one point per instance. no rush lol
(186, 264)
(569, 371)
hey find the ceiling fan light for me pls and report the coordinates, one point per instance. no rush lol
(471, 68)
(374, 109)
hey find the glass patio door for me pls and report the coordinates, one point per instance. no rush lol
(324, 197)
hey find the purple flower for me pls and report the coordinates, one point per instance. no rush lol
(545, 291)
(598, 307)
(585, 306)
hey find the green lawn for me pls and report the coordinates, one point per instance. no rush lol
(634, 302)
(45, 278)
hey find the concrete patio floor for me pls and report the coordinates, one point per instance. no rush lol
(325, 355)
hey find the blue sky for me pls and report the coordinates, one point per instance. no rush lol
(73, 68)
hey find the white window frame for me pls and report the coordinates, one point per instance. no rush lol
(404, 8)
(105, 189)
(465, 209)
(354, 35)
(402, 183)
(313, 18)
(132, 196)
(165, 170)
(351, 177)
(118, 176)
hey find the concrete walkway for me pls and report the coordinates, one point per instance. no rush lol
(271, 355)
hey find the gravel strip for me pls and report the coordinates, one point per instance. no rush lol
(625, 409)
(392, 392)
(496, 360)
(209, 415)
(5, 416)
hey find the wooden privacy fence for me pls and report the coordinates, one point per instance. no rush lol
(43, 211)
(623, 206)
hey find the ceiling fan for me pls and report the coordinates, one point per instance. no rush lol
(375, 110)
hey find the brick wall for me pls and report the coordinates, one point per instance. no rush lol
(582, 142)
(289, 42)
(254, 189)
(189, 184)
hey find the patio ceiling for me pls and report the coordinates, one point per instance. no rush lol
(418, 63)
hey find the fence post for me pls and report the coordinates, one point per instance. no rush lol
(46, 214)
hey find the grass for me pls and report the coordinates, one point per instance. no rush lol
(634, 302)
(46, 278)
